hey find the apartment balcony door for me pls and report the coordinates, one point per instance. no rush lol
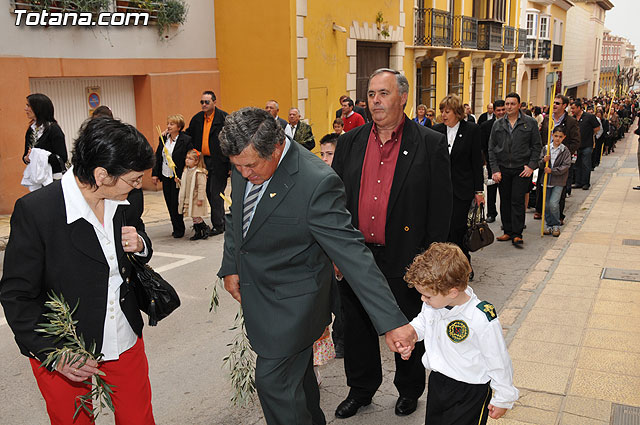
(369, 57)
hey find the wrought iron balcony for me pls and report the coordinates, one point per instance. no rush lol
(433, 27)
(530, 50)
(522, 40)
(557, 53)
(489, 35)
(544, 49)
(509, 39)
(465, 32)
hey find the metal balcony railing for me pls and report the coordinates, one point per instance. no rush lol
(509, 39)
(522, 40)
(465, 32)
(433, 27)
(557, 53)
(530, 48)
(489, 35)
(544, 49)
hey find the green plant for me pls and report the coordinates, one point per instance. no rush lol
(383, 27)
(171, 12)
(82, 6)
(241, 359)
(62, 327)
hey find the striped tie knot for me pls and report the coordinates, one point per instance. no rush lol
(248, 207)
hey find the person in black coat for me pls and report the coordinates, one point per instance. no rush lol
(485, 132)
(217, 164)
(465, 155)
(411, 205)
(177, 143)
(44, 133)
(78, 250)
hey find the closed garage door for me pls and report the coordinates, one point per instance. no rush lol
(69, 97)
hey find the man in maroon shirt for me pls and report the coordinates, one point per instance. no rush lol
(398, 185)
(350, 118)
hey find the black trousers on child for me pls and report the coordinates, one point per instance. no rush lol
(451, 402)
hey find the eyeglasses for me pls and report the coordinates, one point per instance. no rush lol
(205, 102)
(134, 183)
(557, 103)
(429, 115)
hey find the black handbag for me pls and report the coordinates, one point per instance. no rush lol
(155, 296)
(478, 233)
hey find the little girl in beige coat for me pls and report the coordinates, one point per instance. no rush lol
(193, 194)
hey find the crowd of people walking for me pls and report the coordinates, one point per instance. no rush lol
(390, 193)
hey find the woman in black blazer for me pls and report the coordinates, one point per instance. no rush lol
(44, 133)
(178, 143)
(465, 155)
(78, 250)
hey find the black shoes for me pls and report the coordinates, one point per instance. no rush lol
(490, 219)
(215, 231)
(177, 235)
(339, 351)
(350, 406)
(201, 231)
(406, 406)
(636, 187)
(586, 187)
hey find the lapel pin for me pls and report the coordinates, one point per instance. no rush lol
(272, 194)
(405, 153)
(459, 135)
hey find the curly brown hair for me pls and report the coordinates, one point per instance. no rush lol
(439, 269)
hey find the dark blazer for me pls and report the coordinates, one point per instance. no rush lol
(283, 123)
(362, 111)
(466, 160)
(304, 135)
(183, 145)
(420, 201)
(300, 225)
(572, 141)
(485, 117)
(216, 163)
(52, 140)
(46, 254)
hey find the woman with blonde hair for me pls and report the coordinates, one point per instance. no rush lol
(421, 116)
(176, 144)
(463, 140)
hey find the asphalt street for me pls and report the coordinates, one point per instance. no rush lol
(190, 384)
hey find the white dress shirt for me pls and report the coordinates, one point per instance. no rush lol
(250, 185)
(451, 135)
(118, 335)
(290, 130)
(477, 359)
(170, 144)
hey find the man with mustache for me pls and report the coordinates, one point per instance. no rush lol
(397, 179)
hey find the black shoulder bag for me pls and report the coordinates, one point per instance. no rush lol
(155, 296)
(478, 233)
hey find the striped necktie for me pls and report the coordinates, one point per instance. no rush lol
(249, 205)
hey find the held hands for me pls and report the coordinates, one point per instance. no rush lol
(402, 340)
(76, 373)
(479, 198)
(232, 285)
(547, 170)
(526, 172)
(496, 412)
(497, 176)
(155, 180)
(131, 240)
(199, 202)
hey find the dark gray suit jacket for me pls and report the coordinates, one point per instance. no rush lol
(300, 225)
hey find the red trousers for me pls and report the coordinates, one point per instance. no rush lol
(131, 393)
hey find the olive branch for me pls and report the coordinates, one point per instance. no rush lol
(62, 327)
(241, 359)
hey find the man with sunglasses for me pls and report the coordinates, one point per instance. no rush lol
(204, 128)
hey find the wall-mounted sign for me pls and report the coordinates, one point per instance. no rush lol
(94, 98)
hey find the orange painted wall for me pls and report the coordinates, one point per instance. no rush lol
(253, 44)
(162, 87)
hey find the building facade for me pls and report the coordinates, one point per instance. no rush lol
(583, 47)
(142, 75)
(545, 23)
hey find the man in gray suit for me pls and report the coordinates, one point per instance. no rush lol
(287, 223)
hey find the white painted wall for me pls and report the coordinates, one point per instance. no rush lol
(578, 47)
(194, 39)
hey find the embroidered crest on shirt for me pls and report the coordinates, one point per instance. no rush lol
(457, 331)
(488, 309)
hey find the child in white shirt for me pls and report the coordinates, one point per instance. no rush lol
(465, 349)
